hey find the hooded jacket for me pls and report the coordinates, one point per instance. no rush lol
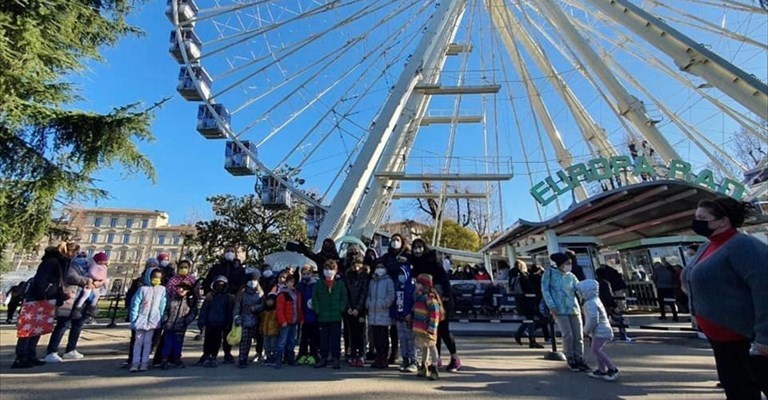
(138, 283)
(268, 325)
(216, 310)
(357, 290)
(596, 319)
(559, 291)
(306, 287)
(381, 295)
(248, 305)
(148, 305)
(428, 263)
(404, 296)
(48, 277)
(180, 312)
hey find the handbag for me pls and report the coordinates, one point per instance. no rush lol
(233, 338)
(36, 318)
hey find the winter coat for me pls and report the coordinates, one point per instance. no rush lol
(329, 303)
(288, 307)
(179, 313)
(216, 310)
(321, 257)
(612, 276)
(306, 288)
(74, 281)
(148, 305)
(404, 293)
(381, 295)
(528, 302)
(232, 270)
(596, 322)
(559, 291)
(175, 280)
(248, 305)
(357, 290)
(606, 294)
(48, 277)
(664, 277)
(268, 325)
(426, 316)
(429, 263)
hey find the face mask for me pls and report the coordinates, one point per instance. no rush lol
(401, 278)
(183, 271)
(164, 263)
(380, 271)
(396, 244)
(229, 256)
(329, 274)
(268, 273)
(306, 278)
(252, 284)
(567, 268)
(702, 228)
(155, 281)
(218, 288)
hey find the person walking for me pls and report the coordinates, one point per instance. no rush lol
(664, 279)
(726, 282)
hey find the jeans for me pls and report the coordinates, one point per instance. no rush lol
(743, 376)
(173, 341)
(310, 338)
(286, 343)
(407, 346)
(330, 340)
(573, 337)
(270, 347)
(142, 347)
(62, 323)
(603, 361)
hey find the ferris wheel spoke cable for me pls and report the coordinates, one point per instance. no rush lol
(732, 5)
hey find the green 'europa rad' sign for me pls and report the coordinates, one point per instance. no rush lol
(602, 168)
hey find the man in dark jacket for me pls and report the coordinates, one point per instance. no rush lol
(327, 252)
(230, 268)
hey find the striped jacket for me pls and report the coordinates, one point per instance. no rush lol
(426, 315)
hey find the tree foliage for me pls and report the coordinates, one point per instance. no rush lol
(455, 236)
(245, 223)
(49, 152)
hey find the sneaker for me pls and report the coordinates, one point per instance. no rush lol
(433, 375)
(611, 375)
(597, 374)
(583, 367)
(311, 361)
(143, 367)
(573, 367)
(257, 358)
(321, 363)
(125, 364)
(207, 363)
(303, 360)
(213, 363)
(403, 365)
(165, 365)
(268, 362)
(134, 368)
(421, 370)
(229, 359)
(278, 365)
(180, 364)
(52, 358)
(454, 365)
(412, 367)
(72, 355)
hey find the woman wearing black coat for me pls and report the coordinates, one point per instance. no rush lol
(527, 303)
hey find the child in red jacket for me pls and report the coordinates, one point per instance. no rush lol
(289, 317)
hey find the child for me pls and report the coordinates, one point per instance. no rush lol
(270, 329)
(148, 306)
(427, 313)
(97, 271)
(401, 312)
(329, 300)
(248, 305)
(215, 315)
(310, 333)
(596, 326)
(288, 318)
(356, 281)
(381, 295)
(180, 312)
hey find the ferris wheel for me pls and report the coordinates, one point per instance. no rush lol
(351, 105)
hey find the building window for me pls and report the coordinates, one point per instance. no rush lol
(160, 239)
(110, 238)
(97, 222)
(129, 223)
(126, 238)
(136, 255)
(144, 223)
(121, 255)
(176, 240)
(113, 223)
(94, 237)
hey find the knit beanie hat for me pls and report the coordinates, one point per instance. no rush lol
(100, 257)
(559, 258)
(162, 256)
(424, 279)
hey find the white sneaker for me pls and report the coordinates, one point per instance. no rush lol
(52, 358)
(72, 355)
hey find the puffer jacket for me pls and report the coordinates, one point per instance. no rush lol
(381, 295)
(306, 287)
(559, 291)
(48, 277)
(180, 313)
(357, 290)
(268, 325)
(74, 281)
(216, 310)
(329, 302)
(148, 306)
(288, 307)
(596, 319)
(248, 305)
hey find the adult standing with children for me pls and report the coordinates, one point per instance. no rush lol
(230, 267)
(726, 282)
(558, 287)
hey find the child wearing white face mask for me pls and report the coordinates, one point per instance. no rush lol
(381, 295)
(329, 301)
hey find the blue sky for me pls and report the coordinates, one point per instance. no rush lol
(190, 168)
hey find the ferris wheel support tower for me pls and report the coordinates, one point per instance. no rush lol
(394, 116)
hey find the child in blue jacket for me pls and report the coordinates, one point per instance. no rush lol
(310, 329)
(402, 313)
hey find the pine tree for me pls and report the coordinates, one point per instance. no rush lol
(50, 152)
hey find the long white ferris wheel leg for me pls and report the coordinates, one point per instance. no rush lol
(355, 186)
(629, 106)
(689, 55)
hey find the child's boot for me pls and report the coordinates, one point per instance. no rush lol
(134, 368)
(422, 370)
(433, 375)
(322, 363)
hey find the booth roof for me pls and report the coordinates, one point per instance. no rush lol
(644, 210)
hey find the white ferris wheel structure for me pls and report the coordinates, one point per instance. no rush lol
(351, 105)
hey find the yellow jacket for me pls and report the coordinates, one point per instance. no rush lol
(268, 325)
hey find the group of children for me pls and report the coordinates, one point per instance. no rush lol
(294, 308)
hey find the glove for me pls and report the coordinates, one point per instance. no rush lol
(237, 321)
(309, 304)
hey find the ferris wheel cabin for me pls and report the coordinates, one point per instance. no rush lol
(186, 86)
(207, 123)
(192, 45)
(237, 161)
(273, 194)
(187, 9)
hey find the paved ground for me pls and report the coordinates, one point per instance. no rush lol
(652, 368)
